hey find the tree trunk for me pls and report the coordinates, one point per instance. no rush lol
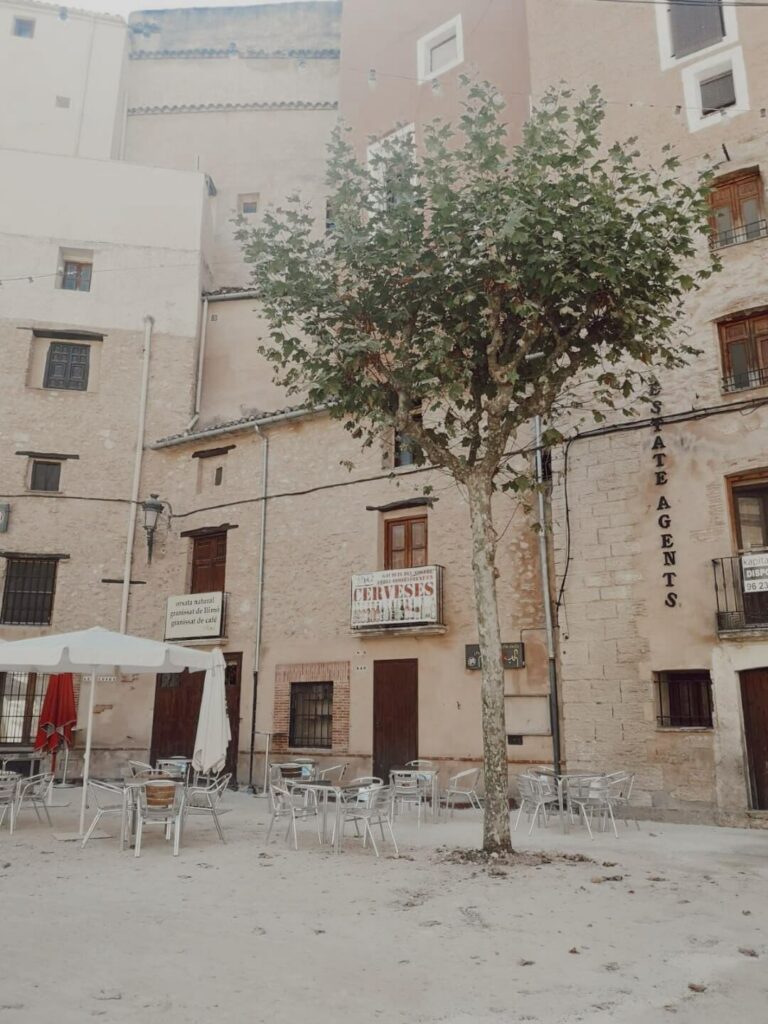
(496, 834)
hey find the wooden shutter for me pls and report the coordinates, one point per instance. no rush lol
(67, 366)
(209, 563)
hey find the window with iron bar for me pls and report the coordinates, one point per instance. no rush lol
(21, 698)
(30, 585)
(684, 700)
(311, 722)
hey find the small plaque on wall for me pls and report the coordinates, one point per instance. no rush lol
(513, 656)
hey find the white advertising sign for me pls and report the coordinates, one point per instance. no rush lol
(396, 597)
(754, 572)
(194, 616)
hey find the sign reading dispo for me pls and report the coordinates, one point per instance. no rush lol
(194, 616)
(754, 572)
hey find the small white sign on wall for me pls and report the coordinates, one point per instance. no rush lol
(194, 616)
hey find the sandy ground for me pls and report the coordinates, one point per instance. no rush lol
(240, 932)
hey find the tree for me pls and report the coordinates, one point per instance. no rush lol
(482, 285)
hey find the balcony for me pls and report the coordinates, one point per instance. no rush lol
(741, 591)
(739, 235)
(397, 601)
(196, 617)
(756, 377)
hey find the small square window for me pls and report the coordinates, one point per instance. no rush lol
(715, 88)
(440, 50)
(76, 276)
(46, 476)
(24, 28)
(443, 54)
(717, 93)
(684, 700)
(248, 204)
(30, 583)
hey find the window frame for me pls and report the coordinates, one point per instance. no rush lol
(35, 463)
(82, 276)
(702, 717)
(13, 599)
(408, 522)
(321, 726)
(746, 484)
(725, 194)
(705, 70)
(437, 37)
(70, 383)
(17, 21)
(668, 59)
(756, 344)
(247, 198)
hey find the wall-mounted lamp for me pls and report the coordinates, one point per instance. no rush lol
(152, 508)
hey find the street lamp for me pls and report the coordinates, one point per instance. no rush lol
(152, 508)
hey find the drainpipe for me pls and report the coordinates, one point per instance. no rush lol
(200, 361)
(554, 714)
(134, 506)
(260, 591)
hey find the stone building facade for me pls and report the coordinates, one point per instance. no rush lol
(216, 113)
(663, 654)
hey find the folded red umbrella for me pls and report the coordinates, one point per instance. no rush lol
(58, 716)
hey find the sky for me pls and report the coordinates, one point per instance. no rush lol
(124, 7)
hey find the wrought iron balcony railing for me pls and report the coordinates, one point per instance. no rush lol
(737, 236)
(757, 377)
(741, 591)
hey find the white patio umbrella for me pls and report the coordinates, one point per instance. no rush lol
(213, 732)
(95, 652)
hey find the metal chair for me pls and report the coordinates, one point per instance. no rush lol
(590, 795)
(285, 804)
(619, 793)
(376, 811)
(175, 768)
(463, 786)
(334, 774)
(420, 763)
(109, 798)
(137, 767)
(538, 794)
(160, 802)
(8, 791)
(35, 791)
(206, 800)
(407, 788)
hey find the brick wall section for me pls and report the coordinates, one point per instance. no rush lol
(336, 672)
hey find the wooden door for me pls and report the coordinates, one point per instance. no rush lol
(754, 698)
(177, 709)
(395, 714)
(209, 563)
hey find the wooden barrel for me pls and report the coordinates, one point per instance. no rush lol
(160, 794)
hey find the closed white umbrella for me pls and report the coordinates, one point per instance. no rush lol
(95, 652)
(213, 732)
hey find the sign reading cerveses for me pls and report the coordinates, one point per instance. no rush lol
(396, 597)
(194, 616)
(754, 571)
